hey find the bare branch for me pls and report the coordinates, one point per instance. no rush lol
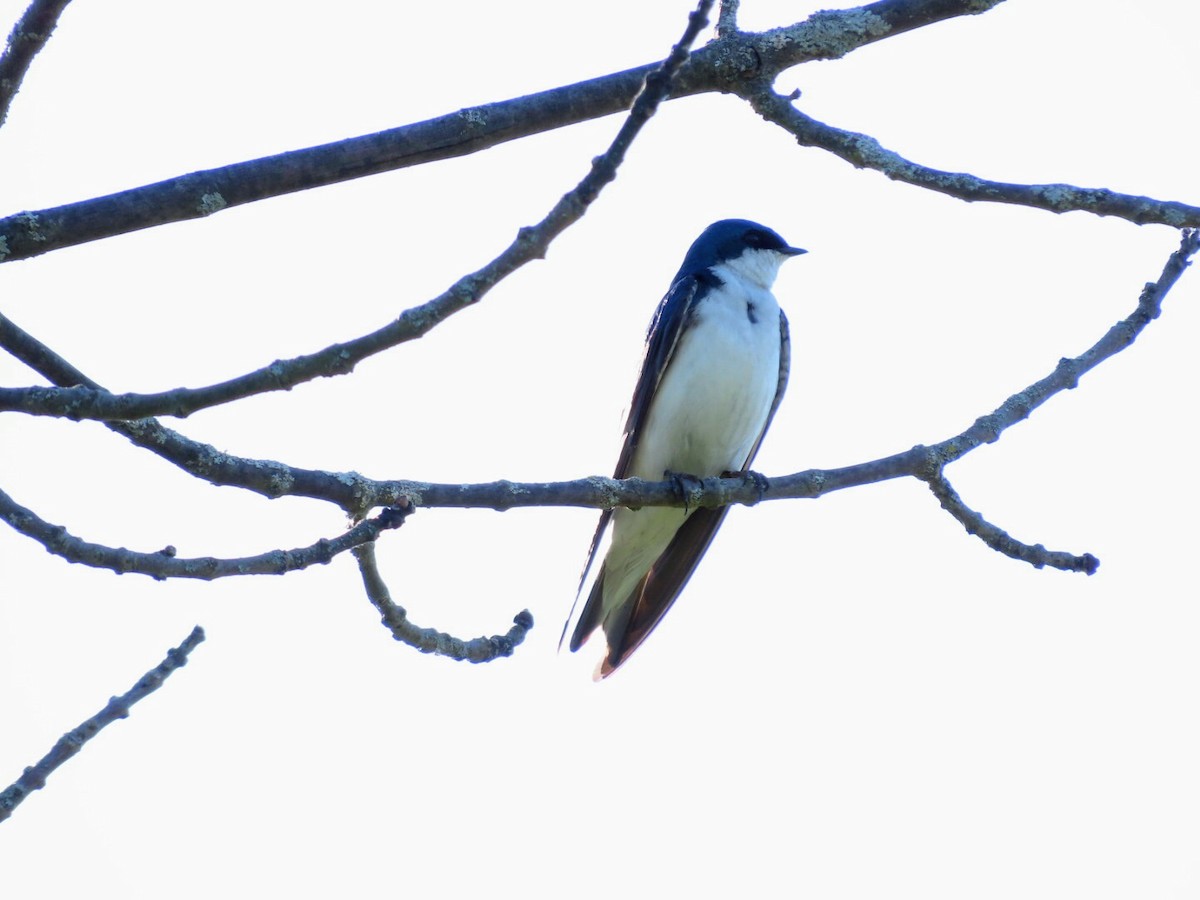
(429, 640)
(865, 152)
(1067, 373)
(163, 564)
(727, 18)
(719, 67)
(357, 493)
(530, 242)
(920, 461)
(34, 777)
(88, 400)
(999, 540)
(25, 41)
(349, 490)
(926, 463)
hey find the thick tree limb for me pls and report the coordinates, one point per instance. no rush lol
(718, 67)
(80, 400)
(34, 777)
(25, 41)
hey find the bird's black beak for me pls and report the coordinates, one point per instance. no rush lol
(792, 251)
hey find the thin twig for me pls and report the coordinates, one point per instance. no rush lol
(25, 41)
(727, 18)
(865, 152)
(996, 538)
(430, 640)
(34, 777)
(163, 564)
(349, 490)
(1067, 373)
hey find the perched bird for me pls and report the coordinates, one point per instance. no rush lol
(714, 371)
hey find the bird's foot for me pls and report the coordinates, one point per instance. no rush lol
(394, 516)
(689, 488)
(759, 481)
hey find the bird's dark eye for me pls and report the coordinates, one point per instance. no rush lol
(756, 239)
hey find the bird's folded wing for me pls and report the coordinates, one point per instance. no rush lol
(669, 322)
(663, 584)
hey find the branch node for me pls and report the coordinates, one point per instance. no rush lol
(393, 516)
(1068, 372)
(759, 482)
(930, 463)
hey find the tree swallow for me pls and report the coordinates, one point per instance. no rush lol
(714, 371)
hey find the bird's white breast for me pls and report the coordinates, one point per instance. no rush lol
(709, 410)
(720, 383)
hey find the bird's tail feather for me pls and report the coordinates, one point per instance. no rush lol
(589, 616)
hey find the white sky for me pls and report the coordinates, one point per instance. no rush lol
(852, 699)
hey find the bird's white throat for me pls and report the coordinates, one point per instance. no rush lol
(759, 267)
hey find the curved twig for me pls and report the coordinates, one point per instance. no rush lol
(34, 777)
(430, 640)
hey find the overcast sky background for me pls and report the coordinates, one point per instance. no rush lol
(852, 699)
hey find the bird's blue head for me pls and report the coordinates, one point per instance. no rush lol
(730, 240)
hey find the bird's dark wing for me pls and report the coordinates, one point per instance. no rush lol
(671, 320)
(669, 323)
(671, 571)
(785, 367)
(662, 585)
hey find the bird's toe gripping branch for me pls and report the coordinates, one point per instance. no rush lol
(757, 479)
(393, 516)
(689, 488)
